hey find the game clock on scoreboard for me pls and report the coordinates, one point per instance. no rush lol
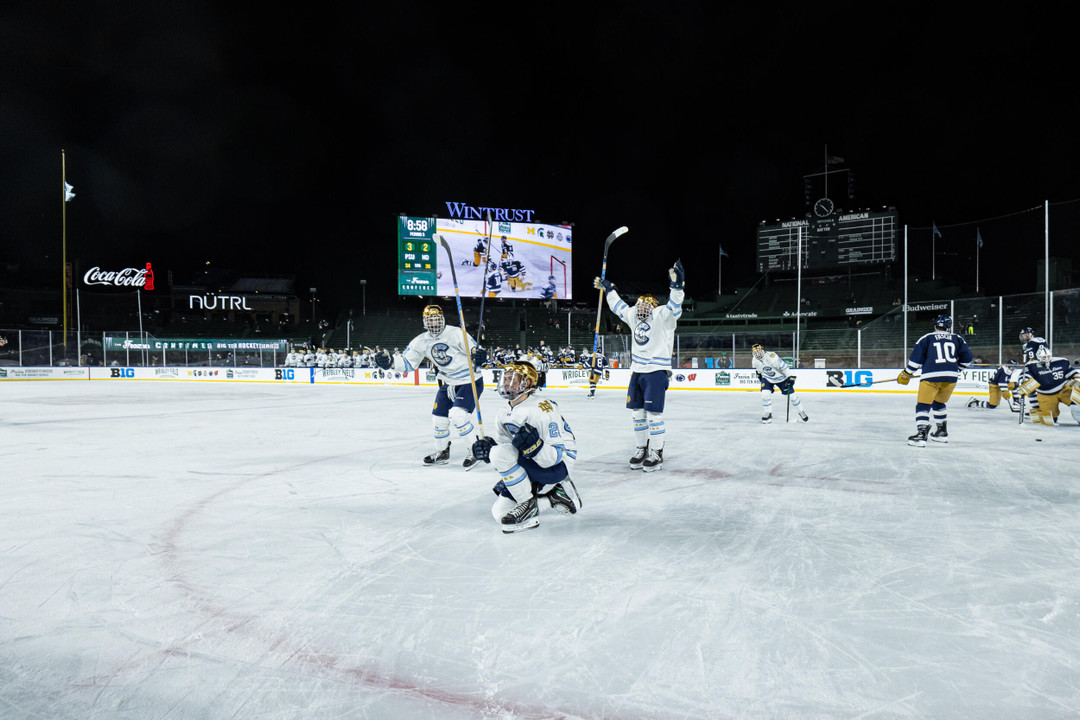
(417, 256)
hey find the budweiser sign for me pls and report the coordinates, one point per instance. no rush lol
(128, 277)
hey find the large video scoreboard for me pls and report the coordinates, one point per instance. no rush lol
(528, 260)
(829, 240)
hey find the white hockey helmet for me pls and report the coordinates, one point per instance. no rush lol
(1043, 355)
(434, 320)
(759, 351)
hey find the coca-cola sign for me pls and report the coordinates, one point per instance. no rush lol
(128, 277)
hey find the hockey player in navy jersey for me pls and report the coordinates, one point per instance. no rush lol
(653, 329)
(999, 389)
(940, 355)
(597, 365)
(1052, 379)
(1029, 348)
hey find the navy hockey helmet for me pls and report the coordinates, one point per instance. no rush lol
(1027, 331)
(942, 322)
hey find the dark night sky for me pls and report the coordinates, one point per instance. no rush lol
(288, 140)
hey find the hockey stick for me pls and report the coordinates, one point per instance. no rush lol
(464, 337)
(483, 282)
(875, 382)
(600, 306)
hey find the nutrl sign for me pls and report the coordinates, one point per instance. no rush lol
(218, 302)
(128, 277)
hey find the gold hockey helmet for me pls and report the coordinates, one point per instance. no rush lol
(518, 378)
(434, 320)
(645, 305)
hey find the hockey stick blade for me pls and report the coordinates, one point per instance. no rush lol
(611, 238)
(876, 382)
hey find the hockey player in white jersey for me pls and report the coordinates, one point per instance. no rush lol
(775, 374)
(533, 450)
(445, 346)
(653, 329)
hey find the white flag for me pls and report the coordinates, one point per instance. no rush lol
(69, 192)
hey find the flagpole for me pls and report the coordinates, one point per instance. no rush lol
(978, 244)
(63, 242)
(933, 253)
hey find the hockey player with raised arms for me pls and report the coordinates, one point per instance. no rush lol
(445, 346)
(940, 355)
(533, 451)
(653, 329)
(775, 374)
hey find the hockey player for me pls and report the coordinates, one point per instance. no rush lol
(597, 366)
(654, 337)
(1052, 379)
(775, 374)
(506, 248)
(940, 355)
(549, 292)
(515, 275)
(445, 347)
(478, 258)
(494, 280)
(1028, 350)
(534, 451)
(999, 388)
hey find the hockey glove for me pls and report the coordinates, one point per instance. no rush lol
(1029, 385)
(677, 275)
(527, 441)
(382, 359)
(604, 284)
(479, 356)
(904, 377)
(481, 449)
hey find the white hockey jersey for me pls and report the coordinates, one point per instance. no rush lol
(772, 368)
(654, 340)
(447, 352)
(542, 413)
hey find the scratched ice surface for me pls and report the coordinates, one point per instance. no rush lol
(174, 550)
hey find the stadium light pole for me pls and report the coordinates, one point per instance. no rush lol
(363, 287)
(312, 305)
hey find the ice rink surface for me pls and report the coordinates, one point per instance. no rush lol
(188, 550)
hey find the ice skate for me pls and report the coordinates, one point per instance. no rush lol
(941, 434)
(639, 457)
(439, 458)
(804, 416)
(766, 419)
(564, 497)
(655, 461)
(523, 517)
(592, 393)
(470, 462)
(973, 402)
(919, 438)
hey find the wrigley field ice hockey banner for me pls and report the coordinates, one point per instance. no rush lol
(194, 344)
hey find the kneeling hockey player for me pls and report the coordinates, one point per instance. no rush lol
(1052, 379)
(533, 450)
(775, 374)
(999, 389)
